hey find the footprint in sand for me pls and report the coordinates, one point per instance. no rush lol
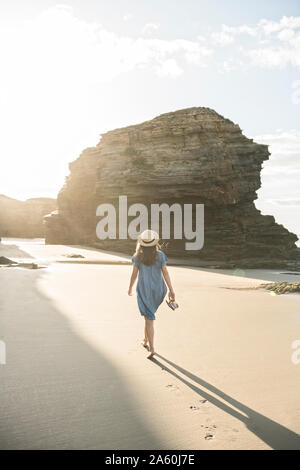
(172, 387)
(209, 432)
(195, 408)
(175, 389)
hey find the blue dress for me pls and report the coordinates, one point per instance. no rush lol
(151, 288)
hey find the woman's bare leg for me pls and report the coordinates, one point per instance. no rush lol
(146, 336)
(150, 336)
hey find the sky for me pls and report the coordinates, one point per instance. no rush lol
(73, 70)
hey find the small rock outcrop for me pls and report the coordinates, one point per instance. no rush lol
(275, 288)
(191, 156)
(281, 287)
(24, 219)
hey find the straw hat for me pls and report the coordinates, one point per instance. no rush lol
(148, 238)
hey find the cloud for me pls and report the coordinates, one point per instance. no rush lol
(169, 68)
(193, 51)
(286, 34)
(271, 57)
(283, 47)
(228, 34)
(127, 16)
(266, 44)
(243, 29)
(286, 202)
(286, 22)
(150, 27)
(222, 38)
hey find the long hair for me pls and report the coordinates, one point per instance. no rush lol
(147, 254)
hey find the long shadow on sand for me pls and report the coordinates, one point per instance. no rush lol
(57, 391)
(274, 434)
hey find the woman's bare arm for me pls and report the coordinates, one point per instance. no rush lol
(134, 274)
(168, 282)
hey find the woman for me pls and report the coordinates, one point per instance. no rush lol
(150, 267)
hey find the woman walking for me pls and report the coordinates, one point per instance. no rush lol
(149, 265)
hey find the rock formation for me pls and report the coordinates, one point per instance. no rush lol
(24, 218)
(191, 156)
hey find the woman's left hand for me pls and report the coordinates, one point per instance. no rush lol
(130, 292)
(172, 296)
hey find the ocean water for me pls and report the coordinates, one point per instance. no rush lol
(14, 241)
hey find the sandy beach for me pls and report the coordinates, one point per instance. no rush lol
(77, 377)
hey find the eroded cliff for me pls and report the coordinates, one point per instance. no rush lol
(24, 218)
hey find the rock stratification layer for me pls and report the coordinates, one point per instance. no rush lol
(193, 156)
